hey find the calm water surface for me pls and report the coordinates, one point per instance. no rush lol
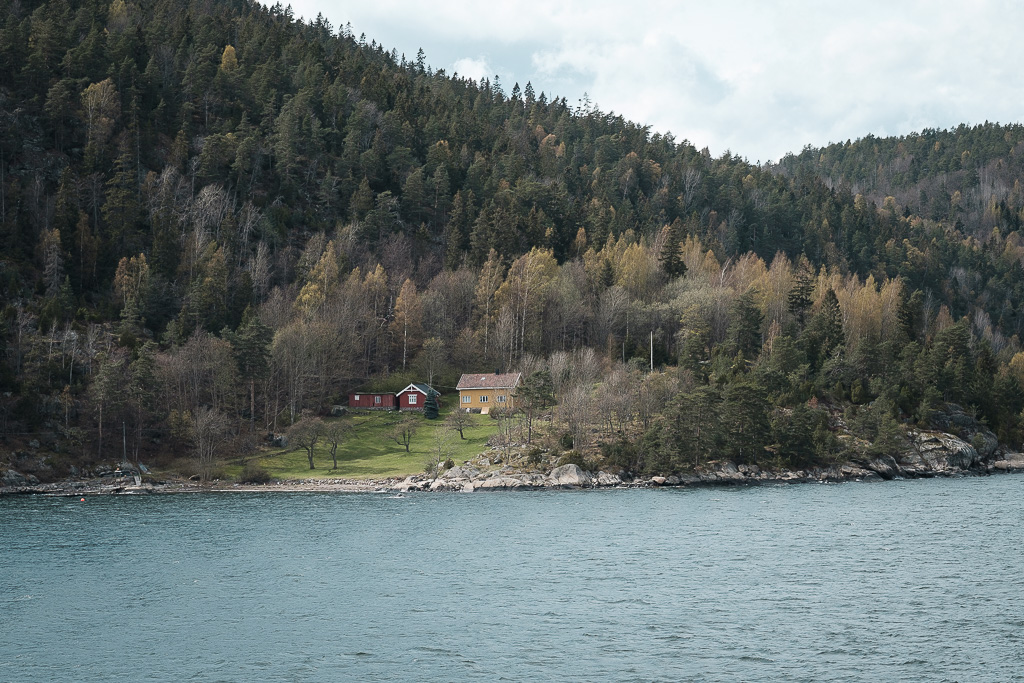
(916, 580)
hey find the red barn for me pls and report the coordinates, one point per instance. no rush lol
(414, 397)
(373, 401)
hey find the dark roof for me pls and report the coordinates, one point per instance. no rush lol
(506, 380)
(424, 389)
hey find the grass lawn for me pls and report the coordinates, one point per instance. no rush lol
(369, 452)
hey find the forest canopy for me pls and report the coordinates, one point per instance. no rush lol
(213, 206)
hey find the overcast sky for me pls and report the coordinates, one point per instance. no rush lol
(759, 79)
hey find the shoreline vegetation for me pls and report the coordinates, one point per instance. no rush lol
(468, 478)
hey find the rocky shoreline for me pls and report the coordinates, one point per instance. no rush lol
(468, 479)
(932, 454)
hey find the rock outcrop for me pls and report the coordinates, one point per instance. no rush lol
(569, 475)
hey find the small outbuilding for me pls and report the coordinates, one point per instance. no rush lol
(373, 401)
(414, 396)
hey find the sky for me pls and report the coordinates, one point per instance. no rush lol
(756, 79)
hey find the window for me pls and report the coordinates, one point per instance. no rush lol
(467, 399)
(376, 399)
(483, 399)
(412, 399)
(357, 398)
(501, 398)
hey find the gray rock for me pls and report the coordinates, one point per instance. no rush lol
(499, 482)
(940, 452)
(1013, 462)
(14, 478)
(608, 479)
(533, 479)
(461, 472)
(569, 475)
(659, 481)
(885, 467)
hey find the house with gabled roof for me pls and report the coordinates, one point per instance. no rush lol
(414, 396)
(488, 391)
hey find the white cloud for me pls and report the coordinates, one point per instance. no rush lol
(477, 69)
(757, 78)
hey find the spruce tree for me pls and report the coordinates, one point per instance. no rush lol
(430, 409)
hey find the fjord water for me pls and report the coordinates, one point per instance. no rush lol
(911, 580)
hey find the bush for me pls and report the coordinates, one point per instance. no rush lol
(622, 454)
(535, 456)
(254, 474)
(574, 458)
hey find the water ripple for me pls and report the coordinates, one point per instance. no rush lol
(909, 580)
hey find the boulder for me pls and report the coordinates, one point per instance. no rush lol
(608, 479)
(502, 481)
(569, 475)
(1012, 462)
(533, 479)
(851, 471)
(939, 452)
(885, 467)
(659, 481)
(461, 472)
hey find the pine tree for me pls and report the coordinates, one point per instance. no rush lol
(430, 409)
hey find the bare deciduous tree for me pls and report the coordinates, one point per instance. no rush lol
(440, 448)
(306, 434)
(404, 430)
(458, 420)
(208, 430)
(334, 433)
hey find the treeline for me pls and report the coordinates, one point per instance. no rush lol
(214, 208)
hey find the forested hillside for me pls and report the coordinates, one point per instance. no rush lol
(216, 217)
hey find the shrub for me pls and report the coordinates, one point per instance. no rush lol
(254, 474)
(622, 454)
(574, 458)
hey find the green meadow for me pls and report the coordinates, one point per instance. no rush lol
(369, 451)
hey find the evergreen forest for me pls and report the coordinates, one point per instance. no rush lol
(217, 218)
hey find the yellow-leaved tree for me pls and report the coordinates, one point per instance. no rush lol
(407, 324)
(521, 296)
(322, 280)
